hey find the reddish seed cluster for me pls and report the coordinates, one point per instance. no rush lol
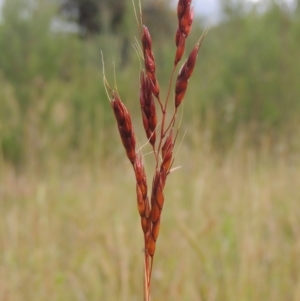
(125, 126)
(142, 195)
(184, 75)
(167, 153)
(150, 208)
(149, 60)
(185, 14)
(157, 195)
(148, 108)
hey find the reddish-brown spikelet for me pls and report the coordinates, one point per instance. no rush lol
(155, 229)
(177, 36)
(180, 43)
(140, 175)
(191, 61)
(145, 220)
(167, 153)
(150, 244)
(147, 50)
(155, 208)
(157, 197)
(155, 86)
(184, 75)
(181, 83)
(168, 144)
(146, 39)
(141, 191)
(148, 108)
(145, 223)
(149, 60)
(185, 22)
(153, 117)
(182, 6)
(140, 201)
(185, 14)
(125, 126)
(157, 202)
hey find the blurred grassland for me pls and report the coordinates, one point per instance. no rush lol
(230, 231)
(69, 226)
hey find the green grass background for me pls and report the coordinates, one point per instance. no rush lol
(69, 225)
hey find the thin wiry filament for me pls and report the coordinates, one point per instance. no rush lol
(180, 143)
(205, 32)
(141, 13)
(137, 49)
(174, 168)
(105, 82)
(148, 141)
(115, 78)
(140, 51)
(135, 14)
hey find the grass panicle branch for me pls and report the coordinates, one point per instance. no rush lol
(150, 207)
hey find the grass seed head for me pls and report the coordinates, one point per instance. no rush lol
(155, 210)
(150, 209)
(125, 127)
(167, 152)
(155, 86)
(159, 197)
(149, 60)
(192, 59)
(140, 175)
(185, 14)
(145, 223)
(184, 75)
(146, 39)
(180, 43)
(182, 6)
(155, 229)
(186, 21)
(140, 201)
(150, 245)
(148, 108)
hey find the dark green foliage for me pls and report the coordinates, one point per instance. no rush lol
(53, 100)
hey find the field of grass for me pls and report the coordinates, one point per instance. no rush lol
(230, 231)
